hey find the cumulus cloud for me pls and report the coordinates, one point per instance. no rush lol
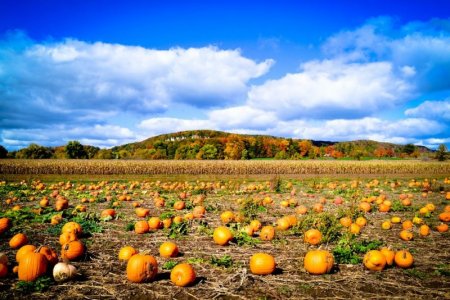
(77, 80)
(332, 89)
(438, 110)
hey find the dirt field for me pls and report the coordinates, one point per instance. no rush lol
(223, 271)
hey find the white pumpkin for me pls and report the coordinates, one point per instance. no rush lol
(63, 271)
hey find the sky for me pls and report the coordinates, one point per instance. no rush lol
(107, 73)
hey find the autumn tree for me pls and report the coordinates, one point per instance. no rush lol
(441, 152)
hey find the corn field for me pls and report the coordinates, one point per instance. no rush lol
(194, 167)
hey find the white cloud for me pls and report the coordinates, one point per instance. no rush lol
(242, 117)
(156, 126)
(439, 110)
(331, 89)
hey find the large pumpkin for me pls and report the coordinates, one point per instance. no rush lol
(403, 259)
(141, 268)
(31, 266)
(24, 250)
(168, 249)
(183, 274)
(262, 264)
(318, 262)
(72, 250)
(5, 224)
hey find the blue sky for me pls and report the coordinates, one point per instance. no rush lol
(112, 72)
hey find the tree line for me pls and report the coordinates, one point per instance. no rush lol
(211, 145)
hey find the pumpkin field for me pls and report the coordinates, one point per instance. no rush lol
(271, 237)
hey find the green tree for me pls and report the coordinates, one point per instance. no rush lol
(409, 149)
(441, 152)
(75, 150)
(208, 152)
(34, 151)
(3, 152)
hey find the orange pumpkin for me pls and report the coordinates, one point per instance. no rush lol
(183, 275)
(408, 224)
(18, 240)
(313, 236)
(5, 224)
(168, 249)
(72, 227)
(227, 217)
(167, 222)
(126, 252)
(31, 266)
(154, 223)
(355, 229)
(361, 221)
(267, 233)
(262, 264)
(318, 207)
(72, 250)
(199, 212)
(345, 221)
(301, 210)
(283, 224)
(442, 227)
(61, 204)
(389, 255)
(386, 225)
(374, 260)
(142, 212)
(3, 270)
(364, 206)
(67, 237)
(424, 230)
(141, 268)
(318, 262)
(404, 259)
(222, 235)
(49, 253)
(179, 205)
(108, 213)
(256, 225)
(406, 235)
(24, 250)
(141, 227)
(445, 216)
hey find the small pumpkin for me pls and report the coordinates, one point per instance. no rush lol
(408, 224)
(404, 259)
(361, 221)
(49, 253)
(267, 233)
(389, 255)
(3, 270)
(61, 204)
(64, 271)
(355, 229)
(142, 212)
(313, 237)
(283, 224)
(72, 227)
(365, 207)
(72, 250)
(168, 249)
(227, 217)
(141, 268)
(444, 216)
(31, 266)
(222, 235)
(256, 225)
(345, 221)
(3, 258)
(442, 227)
(154, 223)
(5, 224)
(126, 253)
(386, 225)
(179, 205)
(24, 250)
(424, 230)
(262, 264)
(18, 240)
(318, 262)
(66, 237)
(108, 213)
(141, 227)
(374, 260)
(406, 235)
(199, 212)
(183, 275)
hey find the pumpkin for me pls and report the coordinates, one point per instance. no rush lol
(67, 237)
(262, 264)
(199, 212)
(256, 225)
(154, 223)
(361, 221)
(5, 224)
(406, 235)
(189, 216)
(168, 249)
(396, 219)
(222, 235)
(44, 202)
(313, 236)
(248, 230)
(141, 227)
(430, 206)
(49, 253)
(267, 233)
(177, 219)
(183, 275)
(56, 219)
(389, 255)
(301, 210)
(24, 250)
(374, 260)
(126, 252)
(318, 207)
(424, 230)
(31, 266)
(355, 229)
(63, 271)
(179, 205)
(18, 240)
(142, 212)
(407, 224)
(442, 227)
(365, 207)
(318, 262)
(345, 221)
(72, 227)
(108, 213)
(227, 217)
(283, 224)
(141, 268)
(72, 250)
(445, 216)
(403, 259)
(61, 204)
(3, 270)
(167, 222)
(386, 225)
